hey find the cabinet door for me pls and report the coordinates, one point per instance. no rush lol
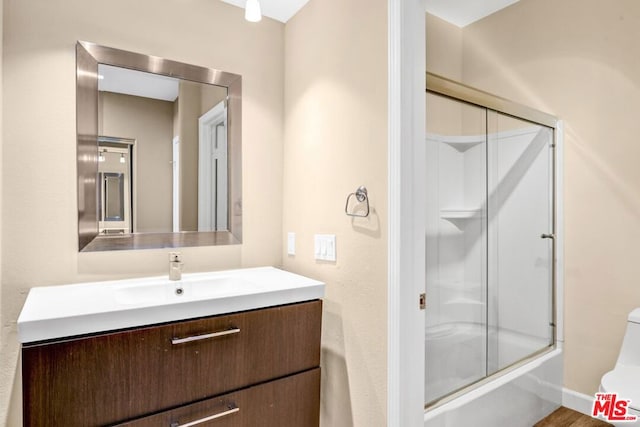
(120, 376)
(289, 402)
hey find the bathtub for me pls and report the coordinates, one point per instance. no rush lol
(517, 396)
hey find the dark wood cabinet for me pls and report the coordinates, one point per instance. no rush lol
(188, 368)
(293, 401)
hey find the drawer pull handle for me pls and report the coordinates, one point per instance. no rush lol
(231, 331)
(232, 410)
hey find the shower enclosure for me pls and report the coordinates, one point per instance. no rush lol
(489, 238)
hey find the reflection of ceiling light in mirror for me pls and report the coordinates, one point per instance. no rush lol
(100, 77)
(252, 12)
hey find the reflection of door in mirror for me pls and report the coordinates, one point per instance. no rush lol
(162, 115)
(175, 163)
(114, 191)
(212, 169)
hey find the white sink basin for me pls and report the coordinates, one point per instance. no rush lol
(85, 308)
(189, 289)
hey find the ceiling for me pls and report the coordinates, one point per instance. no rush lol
(137, 83)
(280, 10)
(458, 12)
(464, 12)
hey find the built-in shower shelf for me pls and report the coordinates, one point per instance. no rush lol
(452, 214)
(456, 285)
(463, 143)
(464, 301)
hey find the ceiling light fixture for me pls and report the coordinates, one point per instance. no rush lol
(252, 12)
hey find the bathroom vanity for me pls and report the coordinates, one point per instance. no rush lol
(257, 365)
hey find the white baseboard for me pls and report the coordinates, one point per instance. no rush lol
(582, 403)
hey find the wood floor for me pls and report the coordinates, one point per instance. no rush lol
(565, 417)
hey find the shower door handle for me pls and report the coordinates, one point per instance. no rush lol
(547, 236)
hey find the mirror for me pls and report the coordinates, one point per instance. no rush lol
(158, 152)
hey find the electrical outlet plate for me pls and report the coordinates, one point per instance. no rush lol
(325, 247)
(291, 243)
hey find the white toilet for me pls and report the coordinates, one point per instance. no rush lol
(625, 377)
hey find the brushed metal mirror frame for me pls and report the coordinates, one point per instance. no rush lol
(88, 56)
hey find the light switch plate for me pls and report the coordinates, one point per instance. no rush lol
(325, 247)
(291, 243)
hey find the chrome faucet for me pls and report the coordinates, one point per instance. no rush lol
(175, 266)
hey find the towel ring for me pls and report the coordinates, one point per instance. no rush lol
(361, 196)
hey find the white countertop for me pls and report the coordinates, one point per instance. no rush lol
(84, 308)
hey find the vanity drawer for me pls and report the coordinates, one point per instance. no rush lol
(123, 375)
(288, 402)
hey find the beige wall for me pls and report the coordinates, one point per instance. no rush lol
(7, 373)
(210, 96)
(444, 57)
(444, 48)
(39, 232)
(575, 59)
(188, 112)
(336, 140)
(150, 123)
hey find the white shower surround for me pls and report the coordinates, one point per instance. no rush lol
(524, 394)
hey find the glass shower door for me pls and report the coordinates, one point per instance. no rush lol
(489, 243)
(456, 327)
(520, 224)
